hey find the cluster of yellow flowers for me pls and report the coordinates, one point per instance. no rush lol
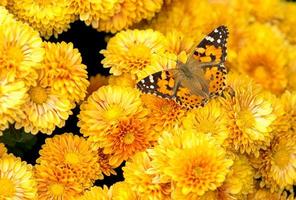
(241, 145)
(52, 17)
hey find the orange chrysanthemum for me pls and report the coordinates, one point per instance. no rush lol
(73, 152)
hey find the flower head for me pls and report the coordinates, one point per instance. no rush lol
(56, 182)
(131, 51)
(164, 113)
(136, 174)
(65, 72)
(195, 163)
(105, 108)
(250, 114)
(48, 17)
(21, 52)
(263, 57)
(210, 119)
(44, 109)
(276, 165)
(128, 137)
(75, 153)
(16, 179)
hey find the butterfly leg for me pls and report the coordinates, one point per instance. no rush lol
(175, 88)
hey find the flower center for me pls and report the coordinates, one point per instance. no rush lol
(206, 126)
(15, 54)
(261, 74)
(56, 189)
(72, 158)
(8, 190)
(139, 56)
(282, 158)
(128, 138)
(198, 171)
(38, 95)
(113, 113)
(245, 119)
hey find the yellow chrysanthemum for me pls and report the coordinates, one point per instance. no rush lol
(44, 110)
(16, 179)
(56, 182)
(210, 119)
(263, 57)
(125, 80)
(75, 153)
(250, 114)
(136, 174)
(127, 13)
(105, 108)
(96, 193)
(127, 137)
(276, 165)
(131, 51)
(122, 191)
(65, 72)
(3, 150)
(164, 113)
(47, 17)
(95, 82)
(21, 52)
(194, 162)
(12, 96)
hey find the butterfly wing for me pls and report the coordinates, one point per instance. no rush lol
(212, 48)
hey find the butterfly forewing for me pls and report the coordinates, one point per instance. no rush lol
(213, 47)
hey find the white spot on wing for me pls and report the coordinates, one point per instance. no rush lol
(209, 38)
(216, 31)
(219, 40)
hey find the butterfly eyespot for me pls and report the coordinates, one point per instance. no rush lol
(210, 54)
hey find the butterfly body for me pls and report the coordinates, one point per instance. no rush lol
(201, 78)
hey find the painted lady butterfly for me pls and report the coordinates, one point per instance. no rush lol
(193, 83)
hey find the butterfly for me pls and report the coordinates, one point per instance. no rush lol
(201, 78)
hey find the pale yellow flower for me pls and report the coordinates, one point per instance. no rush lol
(16, 179)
